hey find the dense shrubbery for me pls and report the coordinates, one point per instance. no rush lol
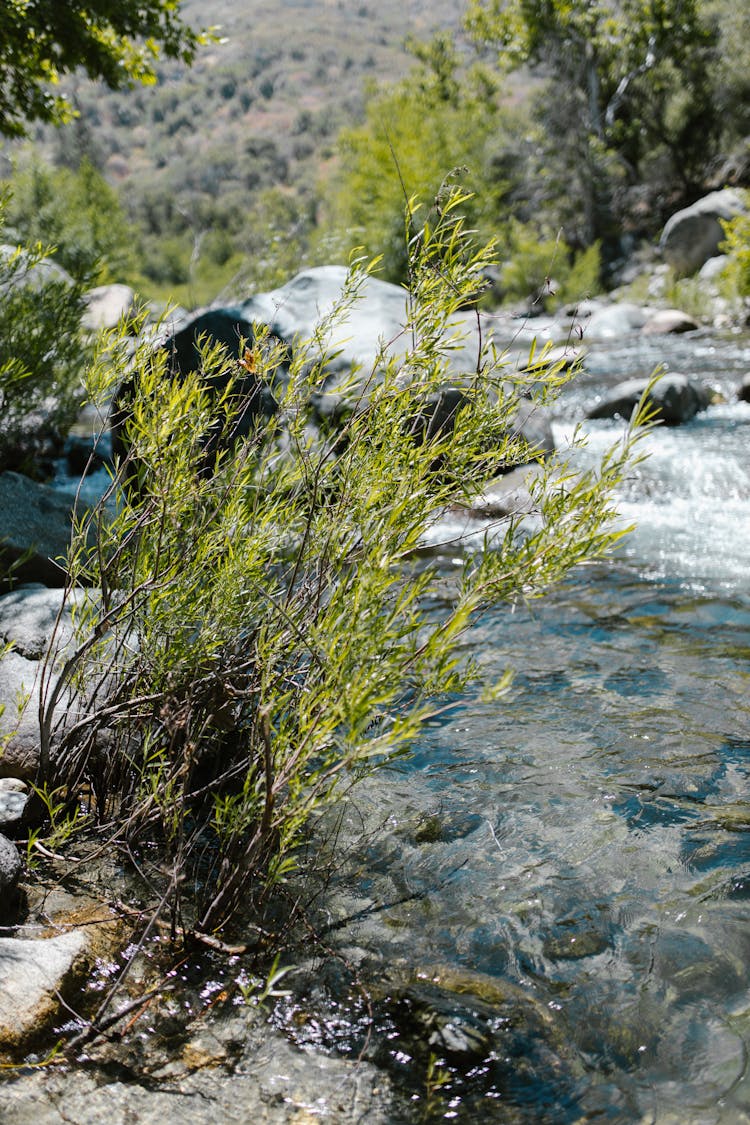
(267, 633)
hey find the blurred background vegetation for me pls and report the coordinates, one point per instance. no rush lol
(301, 129)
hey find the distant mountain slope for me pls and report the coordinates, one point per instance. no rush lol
(288, 73)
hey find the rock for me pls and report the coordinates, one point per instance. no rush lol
(668, 321)
(296, 310)
(713, 268)
(676, 397)
(617, 320)
(28, 618)
(10, 869)
(32, 976)
(27, 622)
(35, 530)
(692, 236)
(13, 801)
(106, 306)
(27, 272)
(743, 391)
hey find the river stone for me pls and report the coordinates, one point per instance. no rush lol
(743, 391)
(692, 235)
(669, 321)
(35, 530)
(32, 975)
(617, 320)
(676, 398)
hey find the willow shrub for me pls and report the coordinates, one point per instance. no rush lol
(264, 634)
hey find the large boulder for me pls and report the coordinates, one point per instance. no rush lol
(182, 342)
(351, 343)
(693, 235)
(675, 398)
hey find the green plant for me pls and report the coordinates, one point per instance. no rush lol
(737, 248)
(42, 359)
(266, 633)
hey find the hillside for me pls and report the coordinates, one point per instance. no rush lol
(195, 156)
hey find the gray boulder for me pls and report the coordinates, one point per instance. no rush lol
(676, 399)
(692, 236)
(352, 343)
(24, 270)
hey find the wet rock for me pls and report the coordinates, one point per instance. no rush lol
(676, 399)
(507, 496)
(35, 530)
(743, 391)
(669, 321)
(692, 235)
(235, 1073)
(32, 976)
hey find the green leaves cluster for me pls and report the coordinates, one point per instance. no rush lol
(268, 632)
(42, 40)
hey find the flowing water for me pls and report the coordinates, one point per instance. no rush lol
(558, 882)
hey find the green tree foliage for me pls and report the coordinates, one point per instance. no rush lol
(267, 634)
(629, 92)
(77, 212)
(42, 40)
(435, 120)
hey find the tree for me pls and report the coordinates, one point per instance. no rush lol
(385, 160)
(118, 41)
(628, 83)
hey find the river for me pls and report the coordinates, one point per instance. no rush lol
(551, 907)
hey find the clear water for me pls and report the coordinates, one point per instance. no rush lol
(587, 838)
